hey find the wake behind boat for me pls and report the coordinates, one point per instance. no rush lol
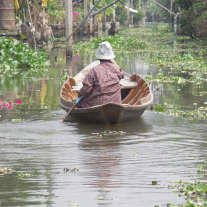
(136, 97)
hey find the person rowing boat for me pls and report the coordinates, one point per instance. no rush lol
(101, 85)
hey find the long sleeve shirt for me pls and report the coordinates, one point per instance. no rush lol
(101, 85)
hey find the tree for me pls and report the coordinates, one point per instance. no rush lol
(184, 4)
(121, 15)
(193, 18)
(137, 17)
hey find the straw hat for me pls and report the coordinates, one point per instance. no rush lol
(104, 51)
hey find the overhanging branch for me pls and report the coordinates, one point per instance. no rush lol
(165, 8)
(104, 8)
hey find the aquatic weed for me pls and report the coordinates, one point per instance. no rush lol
(193, 191)
(16, 56)
(5, 170)
(24, 175)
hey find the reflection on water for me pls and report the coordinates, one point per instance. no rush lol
(114, 170)
(109, 171)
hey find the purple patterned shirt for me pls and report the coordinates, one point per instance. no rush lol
(101, 85)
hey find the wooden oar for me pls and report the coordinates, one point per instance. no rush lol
(73, 107)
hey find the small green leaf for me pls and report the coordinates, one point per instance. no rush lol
(205, 188)
(22, 36)
(189, 187)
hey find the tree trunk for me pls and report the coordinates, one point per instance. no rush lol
(68, 26)
(128, 13)
(85, 13)
(170, 14)
(131, 19)
(91, 20)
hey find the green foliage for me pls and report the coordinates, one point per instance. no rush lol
(186, 23)
(64, 77)
(193, 18)
(117, 42)
(163, 78)
(121, 15)
(195, 192)
(56, 10)
(158, 11)
(196, 114)
(184, 4)
(200, 5)
(137, 17)
(24, 175)
(22, 36)
(161, 107)
(15, 57)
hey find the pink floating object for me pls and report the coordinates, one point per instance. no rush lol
(18, 102)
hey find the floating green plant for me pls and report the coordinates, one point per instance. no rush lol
(117, 42)
(5, 170)
(199, 113)
(159, 47)
(195, 192)
(202, 168)
(64, 77)
(24, 175)
(161, 107)
(15, 57)
(163, 78)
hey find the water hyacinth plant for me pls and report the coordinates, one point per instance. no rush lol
(15, 56)
(197, 113)
(194, 192)
(158, 46)
(118, 43)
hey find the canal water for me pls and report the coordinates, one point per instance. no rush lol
(74, 163)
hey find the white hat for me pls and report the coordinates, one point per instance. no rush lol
(104, 51)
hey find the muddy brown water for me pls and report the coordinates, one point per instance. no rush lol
(114, 170)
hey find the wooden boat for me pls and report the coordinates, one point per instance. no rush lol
(136, 97)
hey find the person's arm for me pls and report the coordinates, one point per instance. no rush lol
(87, 85)
(112, 61)
(121, 72)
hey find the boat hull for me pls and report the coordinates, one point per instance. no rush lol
(110, 113)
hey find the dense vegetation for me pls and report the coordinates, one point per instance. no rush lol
(17, 58)
(180, 60)
(192, 16)
(127, 44)
(162, 48)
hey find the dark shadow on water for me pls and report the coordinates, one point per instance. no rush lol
(140, 125)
